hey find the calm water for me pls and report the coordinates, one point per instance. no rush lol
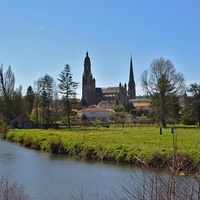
(46, 176)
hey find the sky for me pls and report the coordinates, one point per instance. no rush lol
(39, 37)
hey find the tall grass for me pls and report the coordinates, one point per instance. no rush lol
(135, 145)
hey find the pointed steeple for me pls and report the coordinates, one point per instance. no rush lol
(131, 78)
(131, 83)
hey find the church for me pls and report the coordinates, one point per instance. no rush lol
(94, 95)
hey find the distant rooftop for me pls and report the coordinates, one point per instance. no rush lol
(110, 90)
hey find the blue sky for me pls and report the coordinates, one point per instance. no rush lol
(39, 37)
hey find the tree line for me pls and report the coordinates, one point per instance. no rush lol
(41, 102)
(47, 102)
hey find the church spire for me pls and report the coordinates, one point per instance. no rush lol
(131, 78)
(131, 83)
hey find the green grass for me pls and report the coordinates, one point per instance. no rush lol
(115, 143)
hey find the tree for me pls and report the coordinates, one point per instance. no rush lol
(129, 106)
(3, 127)
(11, 99)
(36, 103)
(46, 84)
(67, 88)
(119, 108)
(192, 104)
(18, 103)
(164, 85)
(29, 99)
(116, 100)
(7, 85)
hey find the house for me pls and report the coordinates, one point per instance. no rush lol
(94, 111)
(22, 122)
(107, 104)
(142, 106)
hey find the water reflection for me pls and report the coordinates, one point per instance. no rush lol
(47, 176)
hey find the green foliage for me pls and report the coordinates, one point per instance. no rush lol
(144, 101)
(29, 98)
(3, 127)
(56, 146)
(46, 84)
(119, 108)
(84, 118)
(129, 106)
(192, 104)
(116, 100)
(188, 121)
(99, 119)
(67, 88)
(139, 112)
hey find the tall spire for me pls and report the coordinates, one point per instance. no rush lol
(131, 83)
(131, 78)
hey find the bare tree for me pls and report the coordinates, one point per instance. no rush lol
(11, 100)
(163, 84)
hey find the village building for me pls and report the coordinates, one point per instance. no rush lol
(22, 122)
(142, 106)
(94, 112)
(107, 104)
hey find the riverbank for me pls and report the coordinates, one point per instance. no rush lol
(133, 145)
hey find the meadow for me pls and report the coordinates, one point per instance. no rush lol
(126, 144)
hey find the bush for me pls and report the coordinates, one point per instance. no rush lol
(3, 127)
(186, 121)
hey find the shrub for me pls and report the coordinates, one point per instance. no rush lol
(3, 127)
(187, 121)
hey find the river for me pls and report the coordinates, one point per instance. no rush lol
(46, 176)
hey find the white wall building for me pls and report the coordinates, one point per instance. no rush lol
(93, 112)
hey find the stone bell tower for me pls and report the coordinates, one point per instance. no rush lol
(88, 82)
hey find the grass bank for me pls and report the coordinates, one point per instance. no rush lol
(134, 145)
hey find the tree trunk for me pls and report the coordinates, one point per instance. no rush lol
(68, 114)
(163, 122)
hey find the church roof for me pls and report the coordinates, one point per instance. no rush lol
(141, 104)
(94, 108)
(106, 102)
(110, 90)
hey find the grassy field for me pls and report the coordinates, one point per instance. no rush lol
(128, 144)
